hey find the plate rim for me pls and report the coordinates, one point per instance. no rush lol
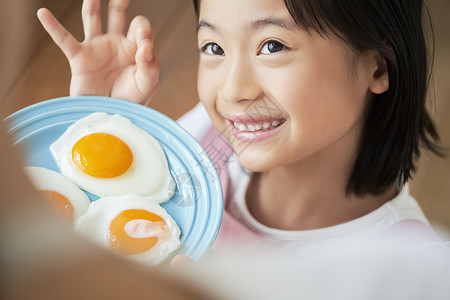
(14, 124)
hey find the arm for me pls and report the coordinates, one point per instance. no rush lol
(109, 64)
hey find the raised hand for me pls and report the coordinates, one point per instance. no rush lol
(108, 64)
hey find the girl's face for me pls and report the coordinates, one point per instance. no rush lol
(277, 93)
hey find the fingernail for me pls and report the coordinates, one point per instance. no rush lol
(144, 41)
(148, 55)
(145, 44)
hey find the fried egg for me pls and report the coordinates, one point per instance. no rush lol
(132, 225)
(62, 194)
(107, 155)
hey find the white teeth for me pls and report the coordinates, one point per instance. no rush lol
(242, 127)
(257, 127)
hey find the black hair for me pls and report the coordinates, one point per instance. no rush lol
(397, 123)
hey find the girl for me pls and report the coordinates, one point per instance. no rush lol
(318, 110)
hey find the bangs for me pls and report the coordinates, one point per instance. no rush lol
(310, 16)
(335, 18)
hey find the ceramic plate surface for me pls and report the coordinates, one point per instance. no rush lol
(197, 205)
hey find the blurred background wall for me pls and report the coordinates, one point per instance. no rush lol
(33, 69)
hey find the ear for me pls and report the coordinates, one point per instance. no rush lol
(380, 77)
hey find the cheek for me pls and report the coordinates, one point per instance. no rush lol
(207, 92)
(206, 86)
(323, 105)
(201, 84)
(323, 91)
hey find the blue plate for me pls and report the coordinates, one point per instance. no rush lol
(197, 205)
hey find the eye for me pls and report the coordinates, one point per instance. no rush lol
(212, 49)
(271, 47)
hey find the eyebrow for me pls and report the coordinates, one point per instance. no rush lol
(204, 24)
(255, 25)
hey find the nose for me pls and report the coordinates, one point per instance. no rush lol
(240, 82)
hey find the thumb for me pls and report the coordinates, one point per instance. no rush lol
(147, 69)
(181, 260)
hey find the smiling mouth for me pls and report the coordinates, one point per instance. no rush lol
(258, 126)
(250, 130)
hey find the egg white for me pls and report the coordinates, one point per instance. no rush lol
(96, 222)
(148, 174)
(46, 179)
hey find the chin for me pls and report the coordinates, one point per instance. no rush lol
(254, 163)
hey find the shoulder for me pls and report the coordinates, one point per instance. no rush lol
(405, 207)
(412, 227)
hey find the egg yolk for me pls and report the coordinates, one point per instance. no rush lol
(59, 202)
(135, 231)
(102, 155)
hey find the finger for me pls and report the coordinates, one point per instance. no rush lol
(181, 260)
(90, 14)
(63, 39)
(140, 30)
(147, 70)
(117, 15)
